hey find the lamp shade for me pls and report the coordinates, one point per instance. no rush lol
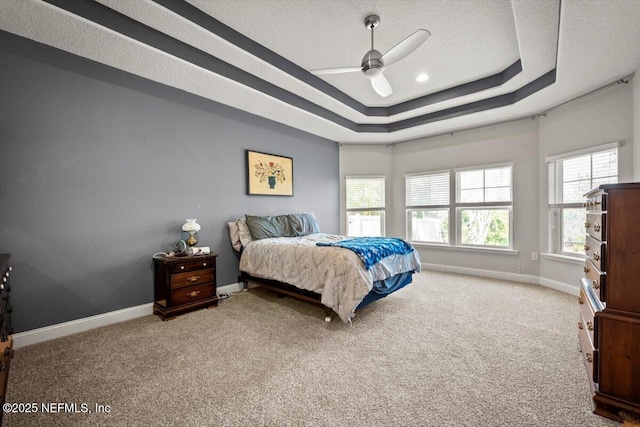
(191, 225)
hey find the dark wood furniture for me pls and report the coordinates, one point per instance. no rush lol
(6, 329)
(609, 324)
(184, 283)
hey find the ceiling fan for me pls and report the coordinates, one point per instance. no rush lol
(374, 62)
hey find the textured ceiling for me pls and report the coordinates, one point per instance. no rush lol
(488, 61)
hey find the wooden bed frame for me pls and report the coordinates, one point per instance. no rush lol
(286, 289)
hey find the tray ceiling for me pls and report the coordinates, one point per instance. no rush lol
(488, 61)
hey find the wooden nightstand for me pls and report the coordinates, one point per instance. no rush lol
(184, 283)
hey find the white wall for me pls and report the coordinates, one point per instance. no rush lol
(595, 120)
(611, 115)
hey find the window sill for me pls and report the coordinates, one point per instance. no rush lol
(564, 258)
(511, 252)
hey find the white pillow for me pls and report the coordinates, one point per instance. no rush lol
(234, 235)
(243, 231)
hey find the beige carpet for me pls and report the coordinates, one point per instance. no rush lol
(447, 350)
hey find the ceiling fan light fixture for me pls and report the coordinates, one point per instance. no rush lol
(422, 77)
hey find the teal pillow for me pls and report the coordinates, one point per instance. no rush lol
(264, 227)
(303, 224)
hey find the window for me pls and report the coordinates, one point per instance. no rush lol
(427, 202)
(571, 175)
(484, 205)
(365, 206)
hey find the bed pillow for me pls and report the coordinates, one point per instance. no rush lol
(264, 227)
(243, 232)
(234, 235)
(303, 224)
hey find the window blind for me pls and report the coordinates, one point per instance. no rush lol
(571, 177)
(427, 190)
(365, 192)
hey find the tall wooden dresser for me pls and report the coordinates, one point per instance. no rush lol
(609, 324)
(6, 329)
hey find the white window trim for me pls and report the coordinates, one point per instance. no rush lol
(554, 222)
(582, 152)
(382, 209)
(427, 207)
(456, 206)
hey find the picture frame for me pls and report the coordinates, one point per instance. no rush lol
(269, 174)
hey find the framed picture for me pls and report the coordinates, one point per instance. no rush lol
(269, 174)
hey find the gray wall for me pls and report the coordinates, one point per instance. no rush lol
(100, 168)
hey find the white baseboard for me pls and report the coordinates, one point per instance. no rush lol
(47, 333)
(492, 274)
(559, 286)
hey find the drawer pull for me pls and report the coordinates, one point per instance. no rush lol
(580, 300)
(596, 256)
(596, 227)
(590, 326)
(580, 325)
(193, 278)
(193, 293)
(586, 269)
(589, 357)
(587, 224)
(596, 285)
(182, 267)
(586, 247)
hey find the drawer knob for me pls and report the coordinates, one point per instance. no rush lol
(182, 267)
(586, 247)
(589, 357)
(580, 300)
(193, 293)
(596, 256)
(590, 326)
(596, 227)
(193, 278)
(580, 325)
(586, 269)
(587, 224)
(596, 285)
(204, 264)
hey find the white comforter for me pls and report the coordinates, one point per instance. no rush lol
(337, 274)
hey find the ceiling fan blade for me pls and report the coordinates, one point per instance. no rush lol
(405, 47)
(381, 85)
(339, 70)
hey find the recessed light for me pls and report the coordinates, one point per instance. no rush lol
(422, 78)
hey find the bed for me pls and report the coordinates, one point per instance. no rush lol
(289, 254)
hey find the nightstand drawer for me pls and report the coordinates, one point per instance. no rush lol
(181, 267)
(190, 278)
(193, 294)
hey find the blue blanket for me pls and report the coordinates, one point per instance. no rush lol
(373, 249)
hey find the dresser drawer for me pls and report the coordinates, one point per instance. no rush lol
(594, 249)
(190, 278)
(587, 316)
(596, 225)
(193, 294)
(589, 356)
(596, 202)
(596, 278)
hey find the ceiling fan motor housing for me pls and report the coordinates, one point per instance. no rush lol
(372, 65)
